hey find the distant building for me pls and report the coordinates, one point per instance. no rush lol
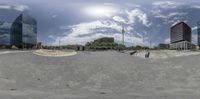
(24, 32)
(180, 32)
(39, 45)
(76, 47)
(181, 37)
(105, 40)
(5, 33)
(163, 46)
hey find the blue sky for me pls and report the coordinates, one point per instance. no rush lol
(80, 21)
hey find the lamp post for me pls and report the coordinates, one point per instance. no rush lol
(59, 43)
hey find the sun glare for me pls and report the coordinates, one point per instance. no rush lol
(100, 11)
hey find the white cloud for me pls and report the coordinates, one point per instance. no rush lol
(129, 28)
(195, 6)
(159, 15)
(51, 37)
(194, 28)
(140, 35)
(110, 4)
(178, 22)
(5, 7)
(54, 16)
(160, 8)
(88, 28)
(168, 18)
(176, 14)
(17, 7)
(135, 14)
(64, 27)
(89, 31)
(20, 7)
(156, 11)
(166, 4)
(119, 19)
(100, 11)
(133, 5)
(167, 41)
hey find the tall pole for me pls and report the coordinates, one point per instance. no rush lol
(59, 44)
(150, 40)
(123, 32)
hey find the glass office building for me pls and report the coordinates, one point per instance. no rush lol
(5, 33)
(181, 37)
(180, 32)
(24, 32)
(198, 33)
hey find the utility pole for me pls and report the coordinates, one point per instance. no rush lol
(59, 44)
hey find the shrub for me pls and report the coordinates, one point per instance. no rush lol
(14, 47)
(3, 47)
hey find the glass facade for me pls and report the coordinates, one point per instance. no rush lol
(5, 33)
(180, 32)
(24, 32)
(198, 31)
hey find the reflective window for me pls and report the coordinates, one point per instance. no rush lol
(24, 31)
(5, 33)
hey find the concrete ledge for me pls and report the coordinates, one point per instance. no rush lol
(163, 54)
(54, 53)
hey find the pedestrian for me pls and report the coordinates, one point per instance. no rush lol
(147, 54)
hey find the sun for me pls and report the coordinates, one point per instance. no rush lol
(100, 11)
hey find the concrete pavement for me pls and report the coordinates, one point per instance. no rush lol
(98, 75)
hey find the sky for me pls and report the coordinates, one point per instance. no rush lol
(146, 22)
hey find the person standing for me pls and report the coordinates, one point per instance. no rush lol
(147, 54)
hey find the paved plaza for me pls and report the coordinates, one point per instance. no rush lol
(98, 75)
